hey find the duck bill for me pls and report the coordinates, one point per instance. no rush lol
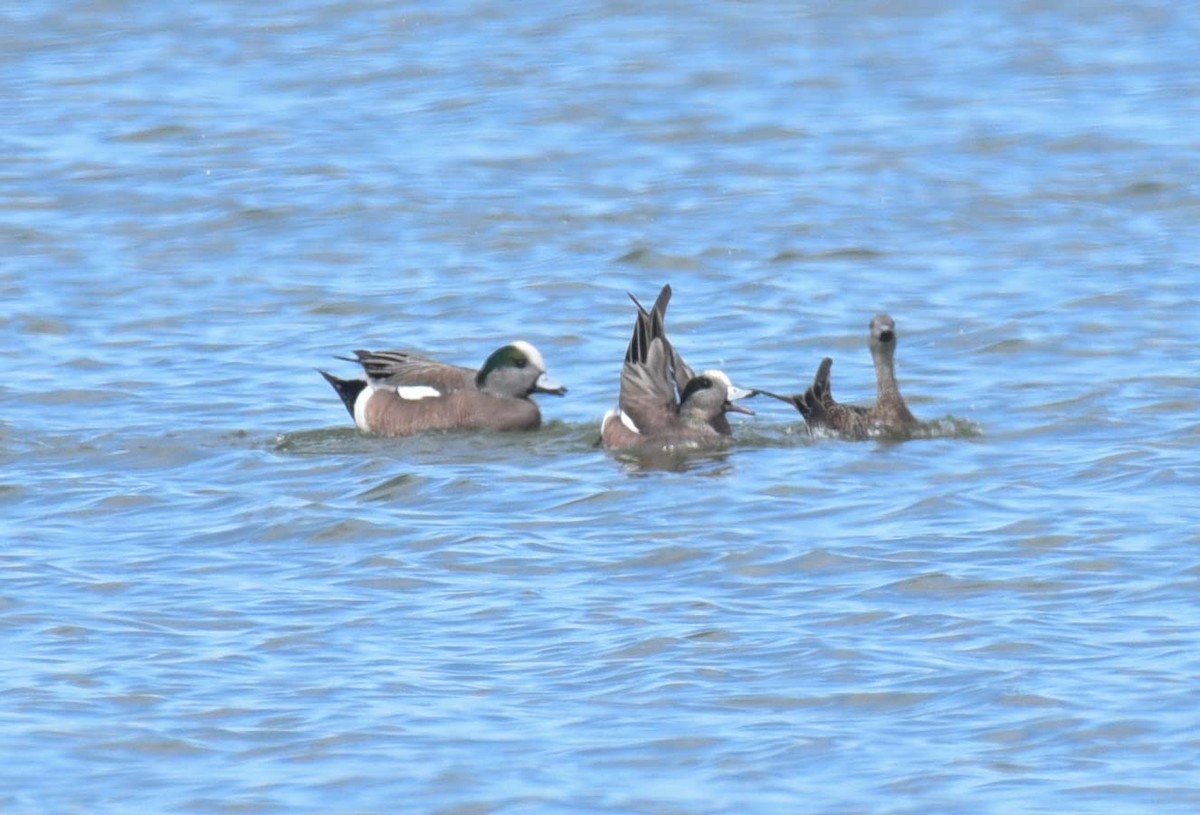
(545, 384)
(732, 395)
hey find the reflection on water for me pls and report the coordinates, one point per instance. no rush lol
(674, 459)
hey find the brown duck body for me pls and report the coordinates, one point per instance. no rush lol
(387, 413)
(888, 416)
(405, 394)
(615, 434)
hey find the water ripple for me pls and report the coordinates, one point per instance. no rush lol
(213, 578)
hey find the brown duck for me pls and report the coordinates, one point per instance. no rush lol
(404, 394)
(889, 414)
(662, 401)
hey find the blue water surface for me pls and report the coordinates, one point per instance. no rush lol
(218, 596)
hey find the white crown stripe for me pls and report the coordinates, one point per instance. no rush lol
(534, 355)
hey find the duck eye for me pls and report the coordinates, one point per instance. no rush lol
(520, 362)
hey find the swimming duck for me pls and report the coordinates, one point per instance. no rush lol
(889, 414)
(405, 394)
(662, 401)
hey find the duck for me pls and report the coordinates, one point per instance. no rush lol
(403, 394)
(888, 416)
(662, 401)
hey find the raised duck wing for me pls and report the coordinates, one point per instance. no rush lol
(648, 395)
(652, 325)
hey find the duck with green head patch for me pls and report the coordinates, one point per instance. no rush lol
(404, 394)
(662, 401)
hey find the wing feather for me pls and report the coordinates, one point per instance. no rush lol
(396, 368)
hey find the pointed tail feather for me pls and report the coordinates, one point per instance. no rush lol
(821, 384)
(648, 326)
(347, 389)
(814, 403)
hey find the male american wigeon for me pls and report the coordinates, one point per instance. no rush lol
(662, 401)
(405, 394)
(888, 416)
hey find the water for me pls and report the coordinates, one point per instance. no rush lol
(218, 596)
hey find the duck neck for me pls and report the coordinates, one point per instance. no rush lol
(691, 415)
(887, 392)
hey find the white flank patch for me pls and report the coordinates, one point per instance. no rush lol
(417, 392)
(612, 414)
(617, 413)
(535, 356)
(625, 420)
(360, 408)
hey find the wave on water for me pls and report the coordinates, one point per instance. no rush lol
(447, 445)
(573, 438)
(797, 434)
(948, 427)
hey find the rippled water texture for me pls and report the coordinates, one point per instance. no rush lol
(218, 596)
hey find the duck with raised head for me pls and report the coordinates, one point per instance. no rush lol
(888, 416)
(662, 401)
(404, 394)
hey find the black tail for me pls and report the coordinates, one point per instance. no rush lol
(348, 389)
